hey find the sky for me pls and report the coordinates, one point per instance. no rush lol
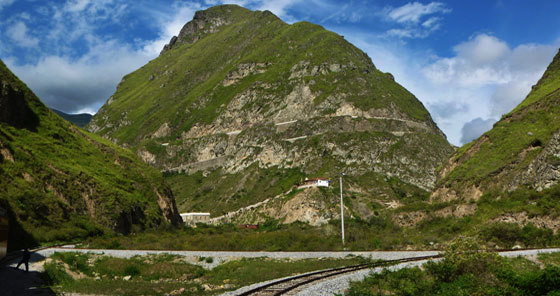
(468, 62)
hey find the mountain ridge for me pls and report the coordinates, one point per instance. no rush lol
(60, 183)
(520, 151)
(81, 119)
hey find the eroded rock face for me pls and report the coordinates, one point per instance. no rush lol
(522, 219)
(202, 23)
(243, 71)
(308, 206)
(544, 171)
(409, 219)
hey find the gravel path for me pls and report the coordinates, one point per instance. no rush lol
(340, 284)
(220, 257)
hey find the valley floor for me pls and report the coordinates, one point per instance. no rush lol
(21, 282)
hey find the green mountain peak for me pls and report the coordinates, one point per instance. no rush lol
(240, 107)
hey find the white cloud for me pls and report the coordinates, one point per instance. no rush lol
(82, 82)
(460, 88)
(170, 27)
(5, 3)
(278, 7)
(474, 128)
(401, 33)
(482, 49)
(494, 77)
(413, 12)
(431, 22)
(85, 83)
(76, 5)
(18, 33)
(415, 20)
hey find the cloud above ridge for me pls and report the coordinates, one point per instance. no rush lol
(82, 82)
(416, 20)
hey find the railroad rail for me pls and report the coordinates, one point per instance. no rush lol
(286, 285)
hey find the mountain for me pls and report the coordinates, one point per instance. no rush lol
(521, 151)
(240, 107)
(61, 183)
(80, 120)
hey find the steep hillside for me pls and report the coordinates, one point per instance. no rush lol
(59, 182)
(241, 106)
(80, 120)
(522, 151)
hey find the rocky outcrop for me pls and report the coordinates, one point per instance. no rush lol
(244, 70)
(308, 206)
(409, 219)
(204, 22)
(522, 219)
(544, 170)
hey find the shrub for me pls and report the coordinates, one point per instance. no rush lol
(131, 270)
(56, 275)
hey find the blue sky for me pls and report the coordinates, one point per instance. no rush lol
(469, 62)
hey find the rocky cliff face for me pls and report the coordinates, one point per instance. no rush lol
(240, 94)
(521, 151)
(62, 183)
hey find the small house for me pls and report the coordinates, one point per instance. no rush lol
(315, 182)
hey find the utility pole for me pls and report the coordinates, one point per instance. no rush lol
(342, 208)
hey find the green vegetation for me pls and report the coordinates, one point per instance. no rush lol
(248, 72)
(378, 232)
(464, 271)
(60, 183)
(196, 192)
(164, 274)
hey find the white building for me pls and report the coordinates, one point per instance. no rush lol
(315, 182)
(193, 218)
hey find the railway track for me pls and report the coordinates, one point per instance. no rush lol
(284, 286)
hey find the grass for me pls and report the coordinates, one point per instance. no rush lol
(361, 235)
(466, 272)
(163, 274)
(196, 192)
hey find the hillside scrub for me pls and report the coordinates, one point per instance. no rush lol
(60, 183)
(466, 271)
(169, 274)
